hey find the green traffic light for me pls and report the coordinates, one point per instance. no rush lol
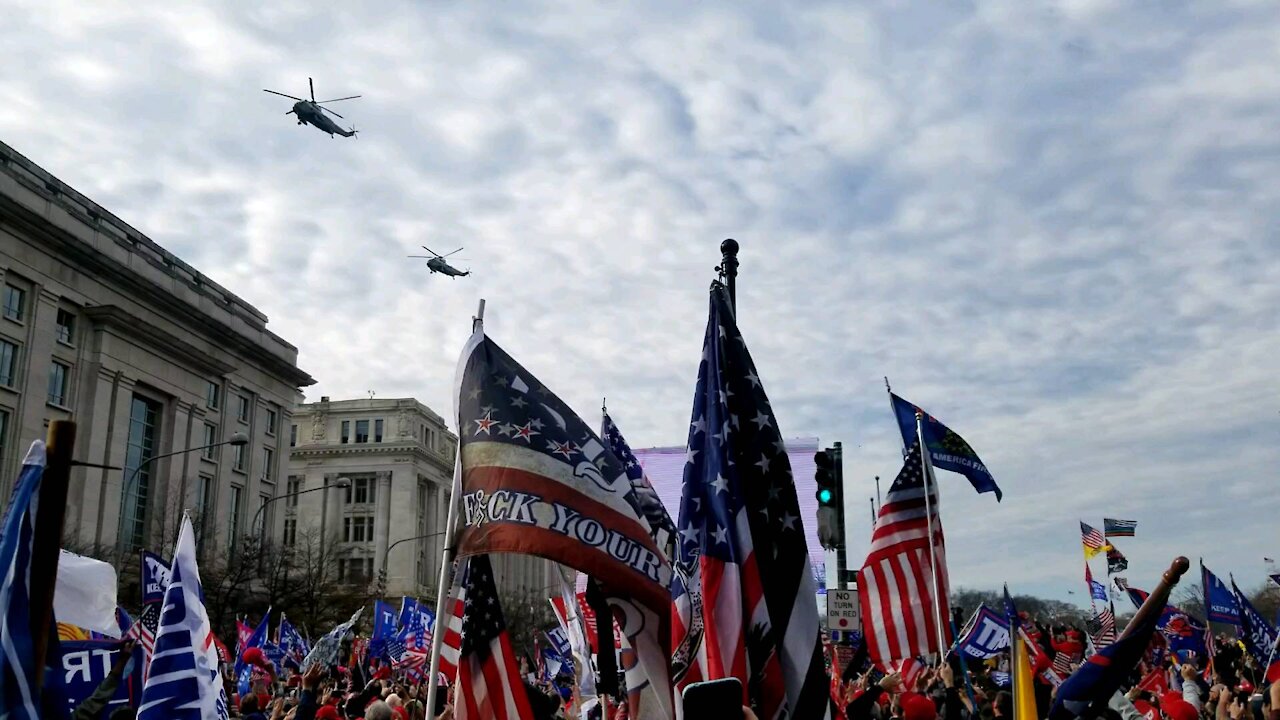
(824, 496)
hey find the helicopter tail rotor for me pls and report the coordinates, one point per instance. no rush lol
(312, 85)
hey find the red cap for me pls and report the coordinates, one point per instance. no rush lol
(254, 656)
(919, 707)
(328, 712)
(1178, 710)
(382, 673)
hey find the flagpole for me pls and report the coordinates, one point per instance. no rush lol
(927, 472)
(450, 525)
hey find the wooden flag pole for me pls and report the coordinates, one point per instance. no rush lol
(1159, 596)
(450, 526)
(47, 540)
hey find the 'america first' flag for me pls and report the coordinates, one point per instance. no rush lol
(537, 480)
(744, 589)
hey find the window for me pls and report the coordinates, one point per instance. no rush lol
(262, 515)
(4, 435)
(237, 457)
(346, 431)
(357, 529)
(291, 489)
(204, 505)
(377, 430)
(8, 363)
(144, 415)
(362, 431)
(354, 570)
(271, 421)
(268, 465)
(212, 395)
(233, 521)
(66, 327)
(59, 375)
(210, 437)
(293, 436)
(242, 408)
(360, 491)
(15, 301)
(290, 531)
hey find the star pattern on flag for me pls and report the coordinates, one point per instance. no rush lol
(482, 621)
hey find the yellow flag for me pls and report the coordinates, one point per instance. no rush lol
(1024, 691)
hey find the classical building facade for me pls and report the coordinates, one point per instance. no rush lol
(372, 479)
(102, 326)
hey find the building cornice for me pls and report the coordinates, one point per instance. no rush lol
(74, 250)
(313, 452)
(134, 327)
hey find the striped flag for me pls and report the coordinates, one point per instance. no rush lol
(143, 632)
(744, 591)
(897, 595)
(450, 618)
(1102, 628)
(489, 685)
(1093, 540)
(1119, 528)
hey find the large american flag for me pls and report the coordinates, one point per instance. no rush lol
(489, 681)
(450, 619)
(897, 592)
(743, 592)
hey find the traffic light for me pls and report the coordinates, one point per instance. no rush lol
(827, 475)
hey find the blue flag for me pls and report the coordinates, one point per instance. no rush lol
(1258, 634)
(1219, 602)
(384, 627)
(947, 449)
(1183, 633)
(155, 577)
(292, 642)
(1088, 690)
(85, 664)
(244, 671)
(985, 636)
(20, 699)
(1097, 590)
(183, 683)
(408, 606)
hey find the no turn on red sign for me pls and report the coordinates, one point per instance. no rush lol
(842, 610)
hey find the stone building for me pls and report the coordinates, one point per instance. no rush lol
(102, 326)
(372, 477)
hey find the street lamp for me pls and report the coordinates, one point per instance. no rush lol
(386, 556)
(237, 439)
(342, 483)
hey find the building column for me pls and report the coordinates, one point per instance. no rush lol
(382, 521)
(332, 508)
(111, 482)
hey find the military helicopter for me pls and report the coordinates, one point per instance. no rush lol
(436, 263)
(309, 112)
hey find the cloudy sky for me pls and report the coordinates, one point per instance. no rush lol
(1053, 224)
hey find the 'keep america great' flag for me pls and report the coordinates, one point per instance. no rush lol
(537, 480)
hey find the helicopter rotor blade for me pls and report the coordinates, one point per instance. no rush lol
(351, 97)
(289, 113)
(329, 111)
(273, 92)
(428, 257)
(455, 251)
(433, 252)
(312, 85)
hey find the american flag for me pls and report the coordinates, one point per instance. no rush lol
(489, 684)
(744, 590)
(1093, 541)
(1062, 663)
(897, 595)
(1119, 528)
(1106, 628)
(450, 618)
(143, 632)
(662, 529)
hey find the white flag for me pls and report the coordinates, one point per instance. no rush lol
(183, 683)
